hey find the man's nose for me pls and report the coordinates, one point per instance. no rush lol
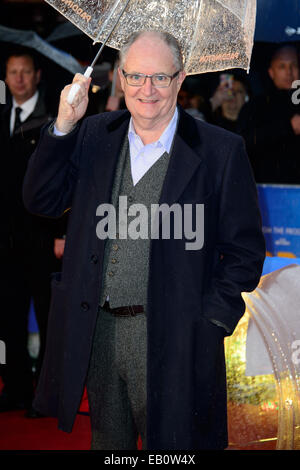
(20, 76)
(148, 88)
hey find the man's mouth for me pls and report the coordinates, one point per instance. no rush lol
(148, 101)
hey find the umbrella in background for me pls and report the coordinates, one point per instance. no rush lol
(64, 31)
(30, 39)
(57, 66)
(68, 37)
(277, 21)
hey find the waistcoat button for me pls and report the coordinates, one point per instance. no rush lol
(94, 259)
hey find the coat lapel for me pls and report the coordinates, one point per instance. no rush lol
(108, 149)
(37, 118)
(184, 161)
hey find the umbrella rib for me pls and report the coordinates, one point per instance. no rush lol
(194, 35)
(108, 18)
(245, 13)
(110, 32)
(230, 9)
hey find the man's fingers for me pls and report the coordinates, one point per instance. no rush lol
(84, 84)
(79, 97)
(69, 114)
(82, 80)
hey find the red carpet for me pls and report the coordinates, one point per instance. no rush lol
(20, 433)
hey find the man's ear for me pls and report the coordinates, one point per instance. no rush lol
(271, 73)
(181, 78)
(122, 78)
(38, 76)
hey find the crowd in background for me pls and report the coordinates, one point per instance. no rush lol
(31, 248)
(269, 123)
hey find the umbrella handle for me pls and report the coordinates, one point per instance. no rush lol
(75, 87)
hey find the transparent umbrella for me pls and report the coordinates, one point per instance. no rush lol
(214, 34)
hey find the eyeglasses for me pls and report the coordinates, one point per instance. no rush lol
(158, 80)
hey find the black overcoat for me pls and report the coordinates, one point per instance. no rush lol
(186, 385)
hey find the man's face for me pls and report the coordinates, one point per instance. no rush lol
(237, 99)
(183, 99)
(284, 69)
(21, 78)
(151, 107)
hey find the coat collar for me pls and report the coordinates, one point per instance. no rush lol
(185, 157)
(36, 119)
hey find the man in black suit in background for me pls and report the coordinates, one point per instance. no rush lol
(270, 124)
(26, 241)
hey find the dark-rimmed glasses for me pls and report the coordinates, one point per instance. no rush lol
(158, 80)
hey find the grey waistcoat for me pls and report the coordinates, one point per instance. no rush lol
(126, 260)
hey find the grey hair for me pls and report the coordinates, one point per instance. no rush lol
(167, 38)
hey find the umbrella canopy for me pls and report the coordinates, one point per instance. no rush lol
(214, 34)
(32, 40)
(277, 22)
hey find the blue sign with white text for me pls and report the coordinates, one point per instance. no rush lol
(280, 210)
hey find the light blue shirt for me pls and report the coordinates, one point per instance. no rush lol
(142, 156)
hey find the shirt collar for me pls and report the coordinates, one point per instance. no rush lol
(166, 138)
(29, 105)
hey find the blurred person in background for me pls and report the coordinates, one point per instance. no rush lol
(270, 123)
(111, 96)
(191, 103)
(227, 101)
(26, 241)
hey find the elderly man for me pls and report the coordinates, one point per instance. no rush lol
(141, 320)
